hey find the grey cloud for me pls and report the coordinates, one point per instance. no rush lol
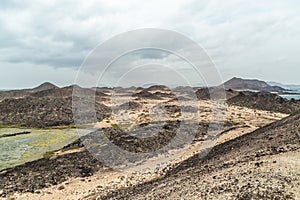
(152, 54)
(241, 37)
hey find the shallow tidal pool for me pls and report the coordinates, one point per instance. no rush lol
(16, 150)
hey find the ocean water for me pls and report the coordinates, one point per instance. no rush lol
(292, 96)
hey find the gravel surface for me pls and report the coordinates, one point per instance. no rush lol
(260, 165)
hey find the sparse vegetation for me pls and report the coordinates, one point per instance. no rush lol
(115, 126)
(71, 126)
(234, 123)
(48, 154)
(72, 146)
(12, 126)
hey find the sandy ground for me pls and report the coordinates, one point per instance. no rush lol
(245, 120)
(282, 165)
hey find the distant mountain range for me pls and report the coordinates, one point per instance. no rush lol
(252, 85)
(49, 105)
(238, 84)
(286, 86)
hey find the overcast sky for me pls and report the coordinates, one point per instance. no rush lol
(48, 40)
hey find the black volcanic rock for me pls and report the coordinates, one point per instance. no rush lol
(212, 93)
(48, 105)
(44, 111)
(68, 92)
(155, 88)
(44, 86)
(231, 170)
(165, 94)
(254, 85)
(265, 101)
(203, 94)
(154, 92)
(36, 175)
(144, 94)
(50, 90)
(185, 90)
(131, 105)
(46, 172)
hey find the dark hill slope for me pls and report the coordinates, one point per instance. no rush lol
(144, 94)
(44, 86)
(157, 88)
(259, 165)
(248, 84)
(68, 92)
(214, 93)
(254, 100)
(265, 101)
(26, 92)
(48, 105)
(42, 111)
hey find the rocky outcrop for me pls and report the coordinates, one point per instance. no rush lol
(43, 111)
(144, 94)
(265, 101)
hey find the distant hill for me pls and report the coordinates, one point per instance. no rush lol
(45, 111)
(50, 90)
(47, 105)
(251, 85)
(25, 92)
(44, 86)
(68, 92)
(154, 88)
(144, 94)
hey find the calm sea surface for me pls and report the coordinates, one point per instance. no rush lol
(292, 96)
